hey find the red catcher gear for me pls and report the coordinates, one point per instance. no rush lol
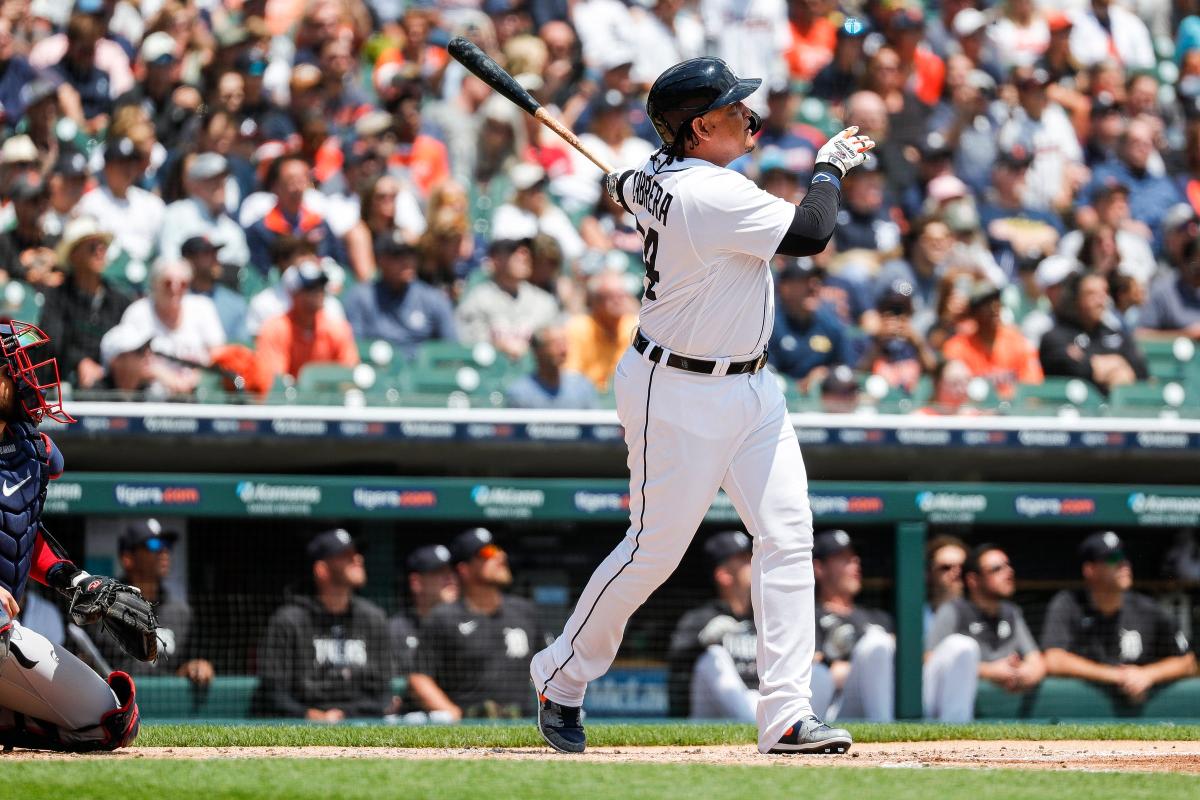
(36, 382)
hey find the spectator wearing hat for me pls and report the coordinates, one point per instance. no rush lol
(1042, 128)
(1108, 634)
(990, 348)
(1103, 29)
(783, 144)
(838, 79)
(951, 392)
(507, 309)
(40, 117)
(808, 339)
(473, 660)
(15, 76)
(530, 211)
(840, 391)
(865, 221)
(1015, 232)
(1173, 306)
(1083, 344)
(1039, 292)
(19, 158)
(597, 340)
(897, 350)
(289, 180)
(431, 581)
(1020, 34)
(131, 370)
(77, 313)
(973, 40)
(966, 121)
(306, 333)
(398, 307)
(131, 214)
(712, 656)
(984, 623)
(27, 251)
(185, 327)
(145, 554)
(287, 253)
(207, 274)
(550, 385)
(113, 52)
(66, 185)
(158, 58)
(922, 69)
(327, 654)
(1149, 196)
(204, 213)
(927, 258)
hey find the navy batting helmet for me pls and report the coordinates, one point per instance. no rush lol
(691, 88)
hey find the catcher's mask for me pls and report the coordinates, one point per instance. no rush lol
(35, 381)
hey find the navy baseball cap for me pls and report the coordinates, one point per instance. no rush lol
(798, 268)
(148, 533)
(328, 544)
(830, 543)
(71, 164)
(723, 546)
(470, 543)
(1102, 546)
(393, 243)
(122, 149)
(195, 245)
(429, 558)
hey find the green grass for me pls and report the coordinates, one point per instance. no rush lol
(530, 780)
(630, 735)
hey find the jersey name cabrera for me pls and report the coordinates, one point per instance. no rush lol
(707, 236)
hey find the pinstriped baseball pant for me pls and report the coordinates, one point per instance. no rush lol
(690, 435)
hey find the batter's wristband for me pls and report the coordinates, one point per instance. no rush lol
(827, 173)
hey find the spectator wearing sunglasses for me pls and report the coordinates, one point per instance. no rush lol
(474, 653)
(985, 619)
(1110, 635)
(944, 558)
(145, 554)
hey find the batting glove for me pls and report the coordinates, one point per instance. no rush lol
(845, 151)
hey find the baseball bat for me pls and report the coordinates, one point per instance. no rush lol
(478, 62)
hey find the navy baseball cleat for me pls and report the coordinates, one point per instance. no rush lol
(814, 737)
(561, 726)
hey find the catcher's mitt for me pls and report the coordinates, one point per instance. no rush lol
(121, 611)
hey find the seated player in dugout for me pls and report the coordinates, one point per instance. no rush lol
(985, 627)
(1110, 635)
(145, 553)
(431, 581)
(474, 653)
(326, 655)
(713, 652)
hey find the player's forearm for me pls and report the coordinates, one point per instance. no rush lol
(430, 696)
(1172, 669)
(1063, 664)
(815, 217)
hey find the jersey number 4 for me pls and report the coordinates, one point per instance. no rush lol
(650, 255)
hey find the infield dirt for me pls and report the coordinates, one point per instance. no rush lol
(1090, 756)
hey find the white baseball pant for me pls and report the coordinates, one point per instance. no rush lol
(718, 691)
(688, 436)
(43, 681)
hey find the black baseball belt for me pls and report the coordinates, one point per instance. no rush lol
(700, 365)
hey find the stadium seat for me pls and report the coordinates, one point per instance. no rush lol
(1057, 396)
(21, 301)
(1169, 359)
(1067, 698)
(440, 355)
(1152, 399)
(227, 697)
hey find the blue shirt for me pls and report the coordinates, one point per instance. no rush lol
(1150, 196)
(405, 319)
(574, 391)
(231, 309)
(797, 348)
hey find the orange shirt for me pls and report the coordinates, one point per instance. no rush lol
(1012, 359)
(284, 348)
(930, 76)
(811, 49)
(426, 160)
(593, 352)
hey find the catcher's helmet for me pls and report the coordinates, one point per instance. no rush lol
(691, 88)
(36, 382)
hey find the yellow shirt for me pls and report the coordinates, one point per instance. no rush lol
(592, 352)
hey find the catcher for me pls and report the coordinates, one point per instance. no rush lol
(48, 698)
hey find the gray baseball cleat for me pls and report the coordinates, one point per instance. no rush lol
(811, 736)
(561, 726)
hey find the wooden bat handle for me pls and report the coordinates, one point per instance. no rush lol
(570, 138)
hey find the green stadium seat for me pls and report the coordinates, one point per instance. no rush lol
(210, 387)
(1067, 698)
(322, 378)
(1169, 359)
(227, 697)
(1056, 396)
(1154, 399)
(19, 300)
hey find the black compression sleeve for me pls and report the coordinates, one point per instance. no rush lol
(816, 215)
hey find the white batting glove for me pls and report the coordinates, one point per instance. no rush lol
(845, 151)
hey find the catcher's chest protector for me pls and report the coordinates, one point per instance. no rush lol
(23, 475)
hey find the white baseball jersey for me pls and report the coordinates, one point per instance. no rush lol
(708, 233)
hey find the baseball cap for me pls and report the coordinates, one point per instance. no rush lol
(1102, 546)
(830, 543)
(908, 19)
(429, 558)
(123, 149)
(840, 381)
(473, 542)
(89, 6)
(309, 275)
(1058, 21)
(1053, 270)
(1031, 79)
(798, 268)
(1109, 188)
(122, 339)
(148, 533)
(207, 165)
(393, 243)
(526, 176)
(725, 545)
(946, 187)
(982, 292)
(253, 62)
(71, 164)
(158, 49)
(195, 245)
(934, 145)
(18, 149)
(969, 21)
(1015, 157)
(897, 298)
(305, 76)
(506, 246)
(327, 544)
(373, 123)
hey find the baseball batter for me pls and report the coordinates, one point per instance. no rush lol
(699, 412)
(48, 698)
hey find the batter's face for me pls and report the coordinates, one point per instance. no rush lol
(727, 131)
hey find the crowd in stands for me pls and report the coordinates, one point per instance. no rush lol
(249, 188)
